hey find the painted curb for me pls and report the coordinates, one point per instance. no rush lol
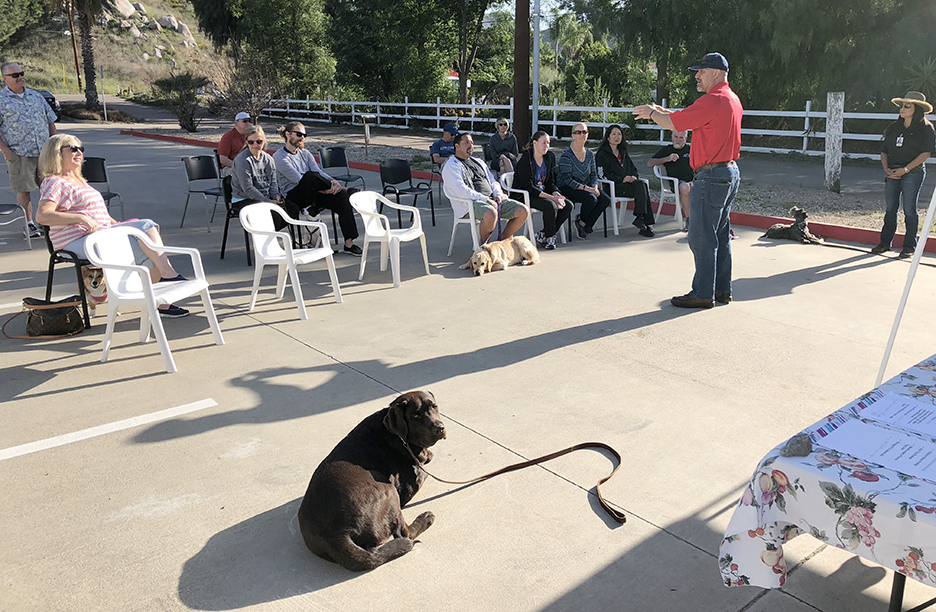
(828, 231)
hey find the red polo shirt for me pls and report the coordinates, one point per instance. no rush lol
(715, 121)
(232, 143)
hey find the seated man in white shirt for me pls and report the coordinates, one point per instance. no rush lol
(306, 185)
(468, 178)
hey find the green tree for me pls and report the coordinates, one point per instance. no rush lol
(390, 50)
(18, 15)
(569, 35)
(492, 76)
(289, 36)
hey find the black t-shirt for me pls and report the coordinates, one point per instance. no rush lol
(679, 169)
(477, 176)
(903, 144)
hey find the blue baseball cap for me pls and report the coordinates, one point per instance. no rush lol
(451, 128)
(712, 60)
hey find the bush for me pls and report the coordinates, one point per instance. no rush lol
(179, 93)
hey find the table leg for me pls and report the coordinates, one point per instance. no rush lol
(897, 591)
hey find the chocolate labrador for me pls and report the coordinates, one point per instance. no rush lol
(354, 500)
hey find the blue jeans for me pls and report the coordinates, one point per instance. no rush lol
(709, 208)
(907, 186)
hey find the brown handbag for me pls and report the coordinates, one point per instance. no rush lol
(46, 320)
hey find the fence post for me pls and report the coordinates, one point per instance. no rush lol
(661, 128)
(406, 111)
(378, 112)
(329, 108)
(806, 127)
(835, 109)
(555, 115)
(510, 112)
(472, 113)
(352, 110)
(604, 113)
(438, 111)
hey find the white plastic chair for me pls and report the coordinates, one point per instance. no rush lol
(470, 221)
(506, 181)
(669, 190)
(377, 229)
(129, 284)
(18, 213)
(272, 248)
(617, 219)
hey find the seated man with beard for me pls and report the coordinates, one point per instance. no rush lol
(307, 186)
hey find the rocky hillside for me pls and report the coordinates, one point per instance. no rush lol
(135, 43)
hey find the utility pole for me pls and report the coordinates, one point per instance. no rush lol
(536, 65)
(521, 114)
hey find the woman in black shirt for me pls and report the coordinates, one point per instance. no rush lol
(536, 174)
(614, 164)
(908, 143)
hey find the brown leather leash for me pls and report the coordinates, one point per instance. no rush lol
(615, 514)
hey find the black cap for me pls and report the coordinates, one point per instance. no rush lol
(712, 60)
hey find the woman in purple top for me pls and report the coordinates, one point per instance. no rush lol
(536, 174)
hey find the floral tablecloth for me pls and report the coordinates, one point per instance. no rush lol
(876, 513)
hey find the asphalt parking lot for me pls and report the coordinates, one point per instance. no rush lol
(196, 508)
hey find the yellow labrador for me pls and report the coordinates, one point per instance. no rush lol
(502, 253)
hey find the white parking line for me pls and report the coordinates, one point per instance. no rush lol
(100, 430)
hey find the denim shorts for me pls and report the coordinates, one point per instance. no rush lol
(144, 225)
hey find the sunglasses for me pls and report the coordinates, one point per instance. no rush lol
(577, 132)
(246, 120)
(15, 75)
(501, 125)
(254, 142)
(74, 148)
(907, 105)
(299, 134)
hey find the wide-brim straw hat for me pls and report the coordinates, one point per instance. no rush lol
(917, 98)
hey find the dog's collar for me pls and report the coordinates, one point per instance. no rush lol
(410, 450)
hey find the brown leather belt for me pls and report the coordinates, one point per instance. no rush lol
(703, 168)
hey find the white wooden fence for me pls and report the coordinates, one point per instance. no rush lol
(481, 117)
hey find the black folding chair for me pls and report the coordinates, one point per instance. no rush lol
(94, 170)
(334, 157)
(59, 256)
(202, 168)
(232, 213)
(394, 172)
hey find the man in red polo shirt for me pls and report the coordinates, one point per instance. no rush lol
(715, 121)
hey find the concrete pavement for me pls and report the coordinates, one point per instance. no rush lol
(198, 511)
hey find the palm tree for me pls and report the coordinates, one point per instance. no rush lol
(87, 11)
(569, 34)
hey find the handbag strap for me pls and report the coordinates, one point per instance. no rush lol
(27, 307)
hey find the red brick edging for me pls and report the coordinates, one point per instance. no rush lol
(832, 232)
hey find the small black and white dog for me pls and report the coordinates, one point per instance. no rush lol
(798, 231)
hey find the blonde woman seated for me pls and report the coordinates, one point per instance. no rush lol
(73, 210)
(254, 178)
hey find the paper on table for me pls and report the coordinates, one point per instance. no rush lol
(904, 412)
(892, 449)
